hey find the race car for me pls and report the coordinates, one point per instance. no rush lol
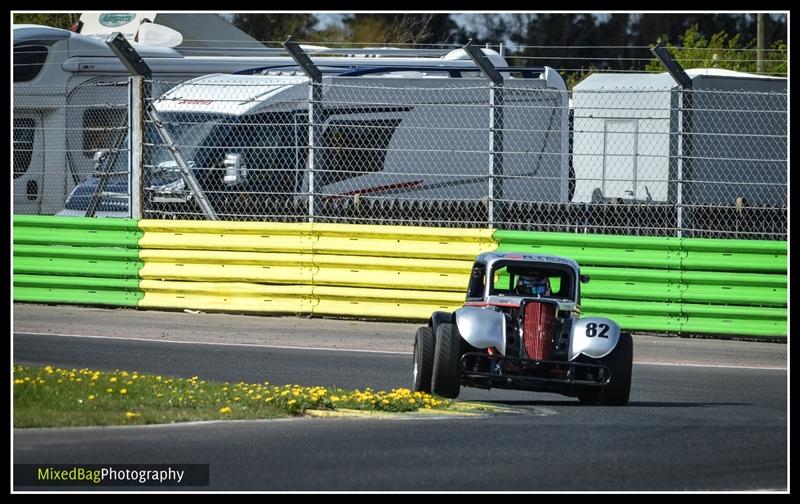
(520, 328)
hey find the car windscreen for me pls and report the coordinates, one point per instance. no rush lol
(505, 278)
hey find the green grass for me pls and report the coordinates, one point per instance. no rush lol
(54, 397)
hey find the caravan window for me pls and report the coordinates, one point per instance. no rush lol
(24, 130)
(103, 128)
(28, 62)
(354, 147)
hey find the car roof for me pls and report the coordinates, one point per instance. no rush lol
(491, 257)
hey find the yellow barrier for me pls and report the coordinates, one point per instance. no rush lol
(227, 296)
(325, 269)
(384, 303)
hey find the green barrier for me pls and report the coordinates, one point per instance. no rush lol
(683, 309)
(738, 327)
(76, 260)
(673, 284)
(94, 253)
(728, 295)
(47, 221)
(77, 237)
(76, 267)
(85, 283)
(606, 257)
(740, 246)
(76, 296)
(586, 240)
(750, 279)
(641, 291)
(734, 261)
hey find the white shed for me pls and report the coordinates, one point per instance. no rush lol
(631, 139)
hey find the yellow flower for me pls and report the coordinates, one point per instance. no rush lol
(123, 391)
(131, 414)
(225, 410)
(18, 381)
(291, 401)
(49, 369)
(113, 379)
(91, 398)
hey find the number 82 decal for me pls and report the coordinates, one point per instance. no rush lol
(591, 330)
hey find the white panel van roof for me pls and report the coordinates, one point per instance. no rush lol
(233, 94)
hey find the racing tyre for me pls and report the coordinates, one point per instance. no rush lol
(424, 348)
(446, 380)
(618, 390)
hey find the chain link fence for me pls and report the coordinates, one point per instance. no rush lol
(57, 132)
(68, 138)
(630, 159)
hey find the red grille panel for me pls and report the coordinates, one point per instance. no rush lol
(537, 329)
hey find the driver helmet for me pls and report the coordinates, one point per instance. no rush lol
(534, 283)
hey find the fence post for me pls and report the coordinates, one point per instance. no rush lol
(314, 102)
(495, 130)
(136, 106)
(496, 157)
(136, 65)
(677, 73)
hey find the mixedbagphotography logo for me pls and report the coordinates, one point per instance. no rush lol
(168, 475)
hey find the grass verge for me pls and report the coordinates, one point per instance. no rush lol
(54, 397)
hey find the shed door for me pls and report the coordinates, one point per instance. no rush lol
(619, 159)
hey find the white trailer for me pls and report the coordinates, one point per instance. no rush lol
(630, 141)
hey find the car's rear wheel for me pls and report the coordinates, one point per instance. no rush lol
(446, 380)
(620, 362)
(424, 349)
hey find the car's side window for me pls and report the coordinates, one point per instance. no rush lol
(477, 282)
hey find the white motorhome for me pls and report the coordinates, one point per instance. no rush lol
(381, 131)
(70, 100)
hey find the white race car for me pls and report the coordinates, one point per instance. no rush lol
(520, 329)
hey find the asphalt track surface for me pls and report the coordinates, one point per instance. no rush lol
(705, 415)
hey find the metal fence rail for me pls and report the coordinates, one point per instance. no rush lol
(404, 150)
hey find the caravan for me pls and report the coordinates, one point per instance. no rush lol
(408, 133)
(71, 100)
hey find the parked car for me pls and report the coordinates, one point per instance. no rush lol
(520, 329)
